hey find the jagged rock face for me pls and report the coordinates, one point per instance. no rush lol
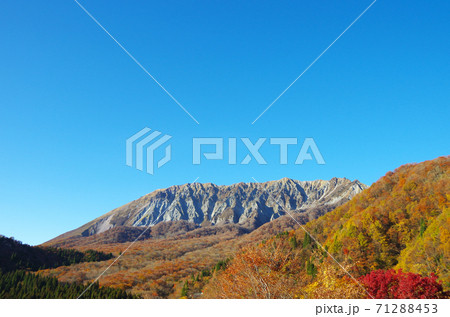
(248, 204)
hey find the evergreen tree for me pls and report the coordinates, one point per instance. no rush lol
(306, 240)
(293, 242)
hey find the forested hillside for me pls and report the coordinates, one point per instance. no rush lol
(20, 284)
(18, 256)
(400, 224)
(19, 261)
(401, 221)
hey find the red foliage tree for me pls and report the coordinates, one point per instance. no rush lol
(398, 284)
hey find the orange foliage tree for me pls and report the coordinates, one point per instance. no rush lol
(270, 270)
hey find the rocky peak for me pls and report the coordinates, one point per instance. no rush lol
(248, 205)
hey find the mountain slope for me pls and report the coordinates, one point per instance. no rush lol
(401, 222)
(248, 205)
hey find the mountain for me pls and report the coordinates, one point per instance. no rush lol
(180, 209)
(400, 222)
(393, 238)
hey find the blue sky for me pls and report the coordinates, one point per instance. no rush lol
(70, 97)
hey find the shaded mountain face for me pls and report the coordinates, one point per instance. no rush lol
(247, 205)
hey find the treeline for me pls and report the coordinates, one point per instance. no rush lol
(18, 256)
(20, 284)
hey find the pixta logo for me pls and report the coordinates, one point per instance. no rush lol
(143, 140)
(309, 145)
(142, 147)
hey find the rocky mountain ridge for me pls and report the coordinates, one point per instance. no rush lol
(248, 205)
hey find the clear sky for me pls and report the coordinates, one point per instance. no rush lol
(70, 97)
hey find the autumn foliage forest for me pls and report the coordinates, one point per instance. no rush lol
(394, 236)
(390, 241)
